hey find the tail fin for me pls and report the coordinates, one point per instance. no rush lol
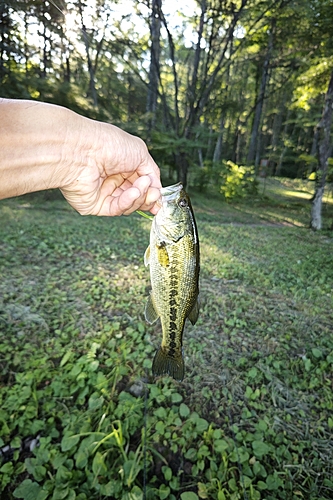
(167, 365)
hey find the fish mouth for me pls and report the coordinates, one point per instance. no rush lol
(169, 193)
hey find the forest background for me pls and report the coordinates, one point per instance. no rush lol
(221, 91)
(227, 95)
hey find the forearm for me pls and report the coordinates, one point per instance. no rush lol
(100, 169)
(35, 150)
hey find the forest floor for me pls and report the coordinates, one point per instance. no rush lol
(279, 201)
(252, 418)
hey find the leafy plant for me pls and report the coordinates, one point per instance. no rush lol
(238, 181)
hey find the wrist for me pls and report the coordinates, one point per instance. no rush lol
(38, 144)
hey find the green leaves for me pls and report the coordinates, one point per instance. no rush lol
(98, 465)
(69, 441)
(254, 408)
(29, 490)
(189, 495)
(260, 448)
(184, 410)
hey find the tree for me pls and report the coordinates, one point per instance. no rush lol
(253, 147)
(154, 68)
(227, 79)
(324, 148)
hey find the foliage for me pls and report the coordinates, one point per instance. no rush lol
(208, 177)
(238, 181)
(253, 417)
(211, 60)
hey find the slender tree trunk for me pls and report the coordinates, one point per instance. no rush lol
(284, 147)
(314, 145)
(3, 25)
(219, 142)
(260, 100)
(182, 167)
(258, 151)
(218, 146)
(44, 53)
(26, 52)
(200, 157)
(65, 61)
(277, 126)
(92, 86)
(238, 149)
(197, 57)
(237, 143)
(324, 148)
(154, 69)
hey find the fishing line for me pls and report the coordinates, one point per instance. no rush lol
(56, 6)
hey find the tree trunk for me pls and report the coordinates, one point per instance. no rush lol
(3, 25)
(284, 146)
(219, 142)
(154, 69)
(218, 147)
(92, 86)
(323, 151)
(182, 167)
(45, 38)
(314, 145)
(276, 133)
(260, 99)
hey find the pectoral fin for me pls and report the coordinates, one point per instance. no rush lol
(146, 257)
(193, 316)
(150, 312)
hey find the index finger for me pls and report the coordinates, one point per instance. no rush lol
(150, 168)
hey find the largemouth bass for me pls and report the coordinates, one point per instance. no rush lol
(173, 256)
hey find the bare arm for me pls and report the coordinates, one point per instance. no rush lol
(100, 169)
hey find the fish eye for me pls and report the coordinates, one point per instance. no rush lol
(183, 203)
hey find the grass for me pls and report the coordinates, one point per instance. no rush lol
(253, 416)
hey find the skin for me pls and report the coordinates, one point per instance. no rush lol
(100, 169)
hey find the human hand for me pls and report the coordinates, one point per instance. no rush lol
(118, 175)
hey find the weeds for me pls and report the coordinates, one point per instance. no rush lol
(253, 417)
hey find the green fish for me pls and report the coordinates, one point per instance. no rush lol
(173, 256)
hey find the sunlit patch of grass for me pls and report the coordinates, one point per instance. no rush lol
(293, 189)
(296, 194)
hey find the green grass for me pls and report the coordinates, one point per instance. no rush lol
(253, 418)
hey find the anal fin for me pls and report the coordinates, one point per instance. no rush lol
(193, 316)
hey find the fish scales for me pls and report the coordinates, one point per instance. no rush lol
(173, 287)
(173, 256)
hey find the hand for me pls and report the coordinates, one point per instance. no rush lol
(119, 176)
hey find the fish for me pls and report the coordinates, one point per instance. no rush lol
(174, 259)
